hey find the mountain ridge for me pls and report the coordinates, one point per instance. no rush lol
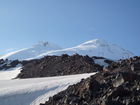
(28, 53)
(96, 47)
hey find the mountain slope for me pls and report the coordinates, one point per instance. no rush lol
(32, 52)
(95, 47)
(118, 84)
(33, 91)
(10, 73)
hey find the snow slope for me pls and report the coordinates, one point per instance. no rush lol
(10, 73)
(36, 90)
(32, 52)
(101, 62)
(95, 47)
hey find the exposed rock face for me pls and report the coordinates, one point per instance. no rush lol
(132, 64)
(6, 64)
(118, 85)
(58, 65)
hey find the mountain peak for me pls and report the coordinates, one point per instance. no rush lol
(95, 42)
(96, 47)
(30, 53)
(42, 43)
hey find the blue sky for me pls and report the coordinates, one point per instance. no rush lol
(69, 22)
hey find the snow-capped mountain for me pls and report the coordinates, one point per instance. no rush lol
(34, 91)
(94, 47)
(28, 53)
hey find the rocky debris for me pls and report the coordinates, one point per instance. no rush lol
(6, 64)
(102, 89)
(108, 61)
(1, 61)
(131, 64)
(118, 85)
(58, 66)
(95, 57)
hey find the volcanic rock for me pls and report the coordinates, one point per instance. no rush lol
(6, 64)
(58, 66)
(120, 85)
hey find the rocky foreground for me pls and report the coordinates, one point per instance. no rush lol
(59, 66)
(117, 84)
(56, 65)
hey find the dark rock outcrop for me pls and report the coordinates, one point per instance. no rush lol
(119, 84)
(58, 66)
(131, 64)
(6, 64)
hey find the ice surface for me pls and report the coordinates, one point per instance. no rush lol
(36, 90)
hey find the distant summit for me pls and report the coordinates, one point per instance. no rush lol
(95, 47)
(29, 53)
(97, 42)
(42, 43)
